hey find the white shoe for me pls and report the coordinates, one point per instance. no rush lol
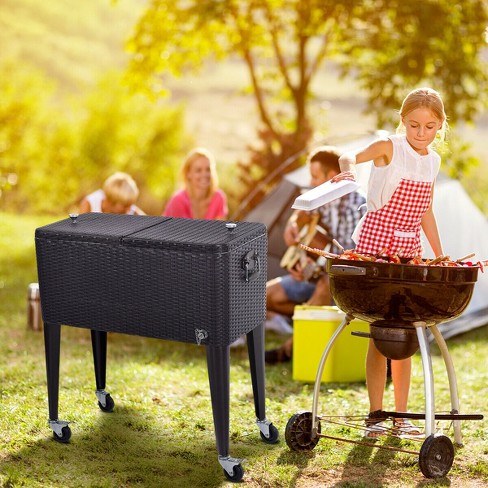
(373, 431)
(239, 342)
(279, 324)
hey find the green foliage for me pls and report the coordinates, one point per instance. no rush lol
(391, 47)
(283, 44)
(25, 127)
(66, 119)
(395, 46)
(388, 47)
(61, 152)
(457, 158)
(123, 131)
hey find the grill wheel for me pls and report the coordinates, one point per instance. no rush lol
(298, 432)
(436, 456)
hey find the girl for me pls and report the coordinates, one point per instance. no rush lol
(200, 197)
(399, 204)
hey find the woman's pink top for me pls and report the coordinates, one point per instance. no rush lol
(179, 205)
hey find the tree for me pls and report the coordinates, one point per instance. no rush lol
(123, 131)
(397, 45)
(24, 126)
(390, 47)
(52, 154)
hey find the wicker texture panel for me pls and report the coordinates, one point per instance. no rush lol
(199, 235)
(152, 286)
(98, 227)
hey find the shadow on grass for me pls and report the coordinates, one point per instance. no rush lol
(371, 466)
(374, 460)
(124, 449)
(142, 446)
(299, 460)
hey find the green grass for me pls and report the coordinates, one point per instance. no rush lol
(161, 432)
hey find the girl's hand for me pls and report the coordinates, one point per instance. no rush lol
(345, 175)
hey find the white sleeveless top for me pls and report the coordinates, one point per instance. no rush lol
(405, 163)
(96, 198)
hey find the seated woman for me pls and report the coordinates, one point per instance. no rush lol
(200, 197)
(118, 196)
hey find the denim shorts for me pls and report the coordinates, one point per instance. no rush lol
(297, 291)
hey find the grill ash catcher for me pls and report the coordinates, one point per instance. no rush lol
(194, 281)
(401, 302)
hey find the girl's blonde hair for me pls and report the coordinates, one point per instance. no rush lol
(424, 98)
(121, 188)
(191, 157)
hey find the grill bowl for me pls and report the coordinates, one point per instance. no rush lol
(394, 341)
(400, 293)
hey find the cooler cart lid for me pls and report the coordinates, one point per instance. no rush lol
(97, 227)
(197, 235)
(153, 232)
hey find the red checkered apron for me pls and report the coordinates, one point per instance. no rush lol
(395, 227)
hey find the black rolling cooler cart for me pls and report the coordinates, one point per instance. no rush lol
(195, 281)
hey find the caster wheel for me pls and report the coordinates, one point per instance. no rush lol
(273, 435)
(109, 404)
(298, 432)
(436, 456)
(237, 475)
(64, 437)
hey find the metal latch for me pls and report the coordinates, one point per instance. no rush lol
(250, 263)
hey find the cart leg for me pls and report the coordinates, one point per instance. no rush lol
(52, 339)
(420, 328)
(99, 347)
(218, 364)
(451, 375)
(255, 348)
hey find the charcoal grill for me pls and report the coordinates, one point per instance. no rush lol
(402, 302)
(194, 281)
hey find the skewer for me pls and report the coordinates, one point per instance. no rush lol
(381, 252)
(460, 260)
(338, 245)
(361, 257)
(438, 259)
(320, 252)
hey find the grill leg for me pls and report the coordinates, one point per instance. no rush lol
(52, 338)
(420, 328)
(218, 364)
(320, 371)
(255, 347)
(99, 347)
(451, 376)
